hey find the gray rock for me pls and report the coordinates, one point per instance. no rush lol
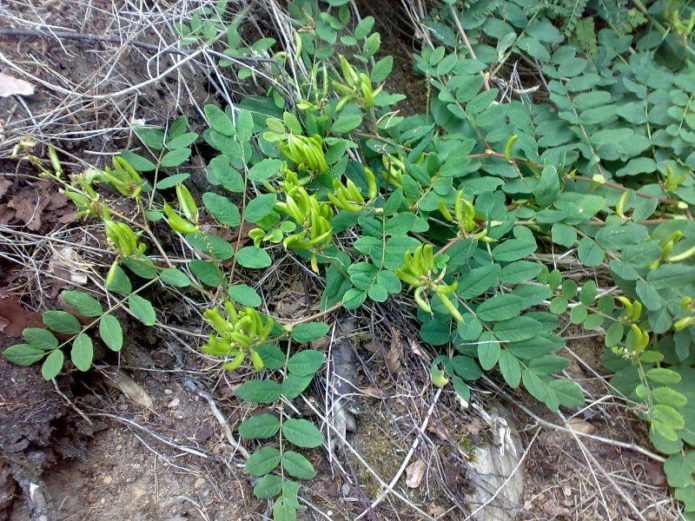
(495, 473)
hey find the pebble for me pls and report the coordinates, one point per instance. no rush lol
(107, 480)
(173, 404)
(199, 482)
(168, 391)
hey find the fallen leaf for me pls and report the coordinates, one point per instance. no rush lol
(579, 425)
(436, 510)
(67, 265)
(417, 351)
(371, 346)
(11, 86)
(373, 392)
(124, 383)
(415, 472)
(4, 186)
(393, 358)
(655, 474)
(14, 317)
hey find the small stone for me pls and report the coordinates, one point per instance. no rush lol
(107, 480)
(173, 404)
(168, 391)
(199, 483)
(123, 407)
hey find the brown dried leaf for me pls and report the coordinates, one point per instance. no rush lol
(393, 358)
(124, 383)
(4, 186)
(373, 392)
(417, 351)
(371, 346)
(11, 86)
(579, 425)
(14, 317)
(415, 472)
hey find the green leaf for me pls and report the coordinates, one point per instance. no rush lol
(23, 354)
(219, 120)
(253, 258)
(520, 271)
(309, 331)
(142, 267)
(488, 354)
(82, 352)
(668, 396)
(518, 328)
(244, 295)
(283, 509)
(466, 367)
(663, 376)
(306, 362)
(263, 461)
(354, 298)
(273, 357)
(614, 334)
(679, 469)
(513, 249)
(566, 392)
(61, 322)
(534, 385)
(260, 207)
(52, 365)
(211, 245)
(671, 276)
(564, 235)
(111, 332)
(578, 314)
(259, 427)
(587, 295)
(206, 272)
(500, 307)
(151, 137)
(510, 368)
(244, 126)
(268, 486)
(371, 45)
(175, 157)
(220, 171)
(590, 253)
(346, 123)
(259, 391)
(264, 170)
(294, 385)
(297, 465)
(222, 209)
(182, 141)
(142, 309)
(175, 277)
(548, 186)
(382, 69)
(40, 338)
(364, 27)
(558, 305)
(171, 181)
(478, 280)
(138, 162)
(119, 283)
(302, 433)
(85, 304)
